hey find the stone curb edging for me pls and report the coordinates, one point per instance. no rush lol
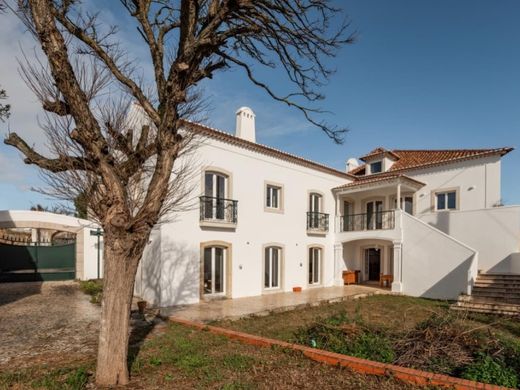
(363, 366)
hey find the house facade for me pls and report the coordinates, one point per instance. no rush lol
(265, 221)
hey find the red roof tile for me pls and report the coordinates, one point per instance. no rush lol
(412, 159)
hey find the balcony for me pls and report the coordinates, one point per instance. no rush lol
(218, 212)
(380, 220)
(317, 223)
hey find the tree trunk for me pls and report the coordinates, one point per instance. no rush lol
(121, 257)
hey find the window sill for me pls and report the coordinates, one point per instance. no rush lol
(273, 210)
(218, 224)
(314, 232)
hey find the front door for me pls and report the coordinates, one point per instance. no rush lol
(373, 263)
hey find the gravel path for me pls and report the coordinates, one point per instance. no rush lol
(45, 323)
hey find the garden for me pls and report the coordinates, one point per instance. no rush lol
(410, 332)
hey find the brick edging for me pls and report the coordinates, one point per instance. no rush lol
(363, 366)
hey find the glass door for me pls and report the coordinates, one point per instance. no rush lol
(215, 192)
(374, 211)
(272, 268)
(314, 265)
(214, 271)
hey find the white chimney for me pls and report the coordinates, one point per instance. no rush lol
(245, 128)
(352, 163)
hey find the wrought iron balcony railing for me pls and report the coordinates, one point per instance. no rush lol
(318, 222)
(218, 210)
(380, 220)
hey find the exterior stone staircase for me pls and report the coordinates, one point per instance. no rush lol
(493, 294)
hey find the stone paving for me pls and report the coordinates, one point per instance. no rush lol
(45, 323)
(268, 303)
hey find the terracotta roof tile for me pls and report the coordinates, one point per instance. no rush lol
(234, 140)
(412, 159)
(378, 178)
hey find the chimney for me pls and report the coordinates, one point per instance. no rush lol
(352, 163)
(245, 128)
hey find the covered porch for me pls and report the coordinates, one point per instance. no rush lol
(370, 203)
(370, 261)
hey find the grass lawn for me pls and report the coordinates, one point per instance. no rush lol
(178, 357)
(411, 332)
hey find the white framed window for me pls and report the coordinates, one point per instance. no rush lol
(446, 200)
(272, 267)
(273, 197)
(376, 167)
(315, 259)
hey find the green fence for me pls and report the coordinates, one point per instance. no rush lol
(25, 263)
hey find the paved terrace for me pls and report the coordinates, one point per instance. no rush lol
(268, 303)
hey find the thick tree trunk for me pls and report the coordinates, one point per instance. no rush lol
(121, 257)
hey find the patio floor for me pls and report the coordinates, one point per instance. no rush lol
(265, 304)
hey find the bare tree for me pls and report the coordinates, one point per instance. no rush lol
(132, 174)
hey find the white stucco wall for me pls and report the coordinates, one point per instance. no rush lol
(177, 279)
(435, 265)
(494, 233)
(477, 182)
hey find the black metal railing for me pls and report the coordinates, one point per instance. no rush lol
(318, 222)
(218, 209)
(380, 220)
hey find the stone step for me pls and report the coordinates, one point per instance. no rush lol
(496, 291)
(482, 283)
(510, 277)
(487, 310)
(489, 300)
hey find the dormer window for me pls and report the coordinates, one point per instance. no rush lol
(376, 167)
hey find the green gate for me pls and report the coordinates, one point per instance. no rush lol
(21, 263)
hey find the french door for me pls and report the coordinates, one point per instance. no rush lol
(406, 204)
(215, 270)
(272, 267)
(315, 266)
(215, 194)
(315, 207)
(374, 211)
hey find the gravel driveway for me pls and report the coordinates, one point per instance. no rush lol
(45, 323)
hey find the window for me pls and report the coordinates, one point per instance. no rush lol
(314, 265)
(273, 197)
(214, 270)
(376, 167)
(446, 200)
(406, 204)
(272, 267)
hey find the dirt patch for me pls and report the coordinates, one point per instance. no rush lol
(46, 323)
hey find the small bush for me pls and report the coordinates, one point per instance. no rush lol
(94, 288)
(489, 370)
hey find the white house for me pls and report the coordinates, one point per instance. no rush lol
(267, 221)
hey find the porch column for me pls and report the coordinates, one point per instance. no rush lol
(397, 285)
(338, 264)
(398, 201)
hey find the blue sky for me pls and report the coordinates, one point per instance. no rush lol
(423, 74)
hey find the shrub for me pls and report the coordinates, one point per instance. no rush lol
(339, 334)
(94, 288)
(491, 370)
